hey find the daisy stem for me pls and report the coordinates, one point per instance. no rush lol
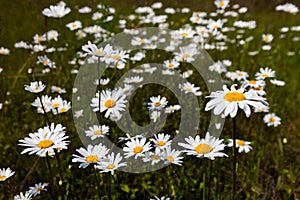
(209, 178)
(58, 163)
(234, 159)
(97, 182)
(51, 177)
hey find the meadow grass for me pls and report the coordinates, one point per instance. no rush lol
(270, 171)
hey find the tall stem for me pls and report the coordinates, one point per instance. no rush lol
(234, 159)
(97, 182)
(51, 176)
(99, 87)
(210, 177)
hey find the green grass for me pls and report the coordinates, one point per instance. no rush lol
(270, 171)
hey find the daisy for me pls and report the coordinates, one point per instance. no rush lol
(111, 101)
(134, 79)
(228, 101)
(186, 54)
(241, 75)
(74, 25)
(35, 87)
(154, 157)
(161, 198)
(265, 73)
(261, 109)
(5, 174)
(272, 120)
(137, 41)
(92, 49)
(56, 102)
(171, 64)
(52, 35)
(161, 140)
(56, 11)
(277, 82)
(288, 7)
(221, 3)
(21, 196)
(46, 102)
(172, 156)
(129, 137)
(97, 131)
(37, 188)
(45, 141)
(157, 103)
(111, 163)
(136, 148)
(190, 88)
(84, 9)
(208, 147)
(44, 60)
(154, 115)
(267, 38)
(39, 38)
(64, 107)
(185, 33)
(91, 155)
(58, 89)
(241, 145)
(4, 51)
(172, 108)
(253, 83)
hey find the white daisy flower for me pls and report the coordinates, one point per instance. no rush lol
(153, 157)
(261, 109)
(58, 89)
(272, 120)
(35, 87)
(267, 38)
(136, 147)
(243, 146)
(129, 137)
(74, 25)
(172, 108)
(97, 131)
(172, 156)
(253, 83)
(113, 102)
(265, 73)
(277, 82)
(22, 196)
(5, 174)
(46, 101)
(4, 51)
(91, 155)
(161, 140)
(171, 64)
(37, 188)
(157, 103)
(190, 88)
(154, 115)
(208, 147)
(228, 101)
(134, 79)
(111, 163)
(56, 11)
(46, 140)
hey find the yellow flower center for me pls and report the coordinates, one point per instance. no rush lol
(184, 34)
(45, 144)
(240, 74)
(97, 132)
(240, 142)
(45, 63)
(91, 158)
(155, 157)
(161, 143)
(215, 26)
(73, 25)
(221, 3)
(171, 65)
(188, 89)
(203, 148)
(109, 103)
(137, 149)
(170, 158)
(267, 39)
(38, 189)
(62, 110)
(98, 52)
(264, 75)
(186, 55)
(156, 104)
(252, 82)
(272, 120)
(55, 105)
(141, 41)
(2, 178)
(2, 52)
(116, 57)
(234, 96)
(110, 166)
(57, 89)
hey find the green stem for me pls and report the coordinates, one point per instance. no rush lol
(234, 160)
(51, 176)
(97, 182)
